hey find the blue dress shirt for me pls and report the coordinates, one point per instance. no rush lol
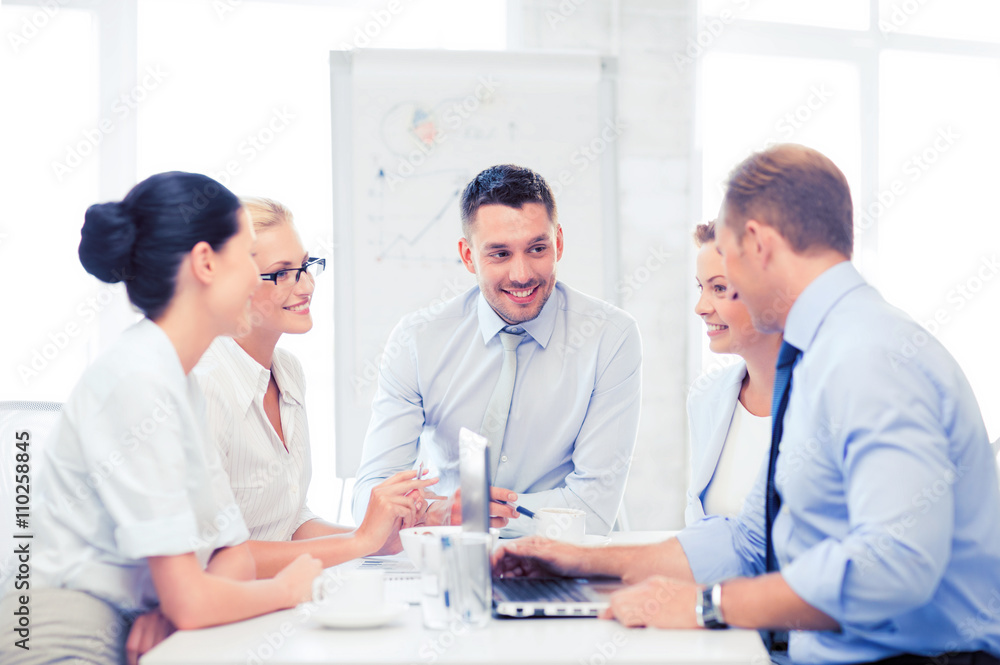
(574, 411)
(890, 514)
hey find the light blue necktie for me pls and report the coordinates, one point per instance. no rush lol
(498, 409)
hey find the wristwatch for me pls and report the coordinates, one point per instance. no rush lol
(708, 609)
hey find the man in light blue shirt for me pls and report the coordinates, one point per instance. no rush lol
(887, 540)
(574, 407)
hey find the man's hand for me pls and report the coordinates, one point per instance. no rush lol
(539, 557)
(501, 513)
(396, 503)
(450, 511)
(148, 630)
(658, 601)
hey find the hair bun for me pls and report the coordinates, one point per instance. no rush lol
(106, 242)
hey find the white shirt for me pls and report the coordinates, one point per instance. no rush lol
(574, 411)
(269, 481)
(747, 444)
(130, 474)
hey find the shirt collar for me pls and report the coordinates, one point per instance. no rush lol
(539, 328)
(252, 378)
(815, 302)
(289, 381)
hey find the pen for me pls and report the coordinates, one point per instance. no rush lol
(521, 509)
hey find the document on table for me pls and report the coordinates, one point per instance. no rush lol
(402, 580)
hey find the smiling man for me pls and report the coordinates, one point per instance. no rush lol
(549, 375)
(878, 539)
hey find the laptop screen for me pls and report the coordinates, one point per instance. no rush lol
(473, 460)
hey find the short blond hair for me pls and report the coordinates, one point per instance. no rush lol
(266, 213)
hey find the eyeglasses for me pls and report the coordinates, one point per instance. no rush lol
(313, 266)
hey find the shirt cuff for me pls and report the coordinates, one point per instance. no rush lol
(708, 545)
(817, 576)
(177, 534)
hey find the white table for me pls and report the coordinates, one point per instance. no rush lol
(292, 637)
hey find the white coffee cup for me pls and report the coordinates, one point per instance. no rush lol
(350, 590)
(566, 524)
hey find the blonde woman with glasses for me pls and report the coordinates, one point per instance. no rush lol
(256, 411)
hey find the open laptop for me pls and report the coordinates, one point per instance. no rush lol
(520, 597)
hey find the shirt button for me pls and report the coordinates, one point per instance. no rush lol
(503, 458)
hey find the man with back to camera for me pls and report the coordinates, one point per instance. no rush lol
(878, 538)
(549, 375)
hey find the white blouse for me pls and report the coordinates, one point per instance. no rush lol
(130, 474)
(270, 482)
(746, 447)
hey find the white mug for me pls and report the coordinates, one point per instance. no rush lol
(567, 524)
(350, 590)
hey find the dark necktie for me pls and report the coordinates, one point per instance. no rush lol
(779, 402)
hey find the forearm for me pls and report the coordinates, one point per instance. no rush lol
(193, 598)
(331, 550)
(318, 528)
(235, 563)
(221, 601)
(767, 602)
(634, 563)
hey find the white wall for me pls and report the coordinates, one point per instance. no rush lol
(655, 103)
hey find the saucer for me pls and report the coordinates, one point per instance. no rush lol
(345, 618)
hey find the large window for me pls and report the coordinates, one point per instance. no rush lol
(51, 141)
(108, 93)
(245, 98)
(903, 96)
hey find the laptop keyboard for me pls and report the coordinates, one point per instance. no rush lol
(532, 589)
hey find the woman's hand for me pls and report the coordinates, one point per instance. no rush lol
(297, 578)
(147, 631)
(399, 502)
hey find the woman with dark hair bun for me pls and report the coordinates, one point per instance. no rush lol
(136, 517)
